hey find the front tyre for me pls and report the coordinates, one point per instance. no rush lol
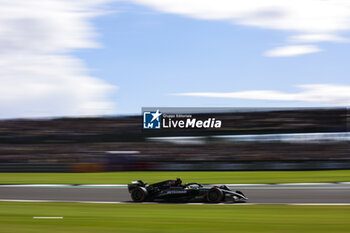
(214, 195)
(139, 194)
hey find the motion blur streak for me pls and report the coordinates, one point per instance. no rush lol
(319, 141)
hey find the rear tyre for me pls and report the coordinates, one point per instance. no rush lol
(214, 195)
(139, 194)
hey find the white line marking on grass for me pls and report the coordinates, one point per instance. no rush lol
(47, 217)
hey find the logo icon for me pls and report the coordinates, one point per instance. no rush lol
(151, 120)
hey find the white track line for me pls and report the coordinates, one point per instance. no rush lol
(120, 202)
(47, 217)
(61, 185)
(35, 185)
(314, 183)
(274, 184)
(124, 185)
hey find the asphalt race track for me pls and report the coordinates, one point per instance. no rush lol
(257, 194)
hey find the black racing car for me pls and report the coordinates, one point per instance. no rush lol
(174, 190)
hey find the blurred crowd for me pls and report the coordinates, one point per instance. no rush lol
(120, 139)
(149, 151)
(130, 127)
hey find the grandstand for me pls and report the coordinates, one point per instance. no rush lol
(294, 135)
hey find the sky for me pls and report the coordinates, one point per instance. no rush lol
(105, 57)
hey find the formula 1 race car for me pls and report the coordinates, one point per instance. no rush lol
(174, 190)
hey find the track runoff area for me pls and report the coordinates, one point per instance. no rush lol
(258, 194)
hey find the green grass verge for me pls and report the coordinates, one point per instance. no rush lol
(130, 218)
(201, 177)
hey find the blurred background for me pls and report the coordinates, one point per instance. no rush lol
(75, 74)
(279, 139)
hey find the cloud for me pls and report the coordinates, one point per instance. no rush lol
(38, 75)
(309, 20)
(317, 38)
(292, 50)
(329, 94)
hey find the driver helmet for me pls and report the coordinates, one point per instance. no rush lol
(178, 181)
